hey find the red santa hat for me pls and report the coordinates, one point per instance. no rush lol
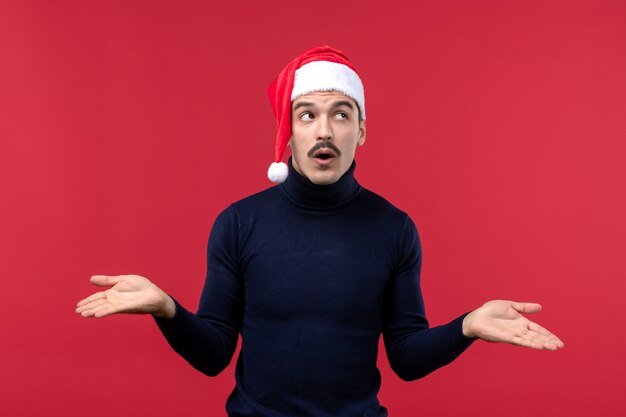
(318, 69)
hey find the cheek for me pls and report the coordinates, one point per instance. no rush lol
(294, 146)
(297, 152)
(298, 143)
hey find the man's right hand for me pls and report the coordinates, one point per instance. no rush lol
(131, 294)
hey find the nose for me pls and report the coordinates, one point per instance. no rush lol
(324, 129)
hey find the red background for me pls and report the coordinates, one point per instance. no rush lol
(126, 127)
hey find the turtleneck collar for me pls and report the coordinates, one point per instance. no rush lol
(302, 192)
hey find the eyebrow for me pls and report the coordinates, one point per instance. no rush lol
(335, 104)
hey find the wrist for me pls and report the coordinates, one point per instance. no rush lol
(166, 307)
(467, 325)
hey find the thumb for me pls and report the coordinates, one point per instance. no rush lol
(105, 280)
(526, 307)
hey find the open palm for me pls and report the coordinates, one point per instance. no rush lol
(502, 321)
(128, 294)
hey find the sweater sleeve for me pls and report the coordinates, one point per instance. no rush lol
(414, 350)
(207, 339)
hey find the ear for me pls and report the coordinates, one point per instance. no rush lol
(361, 133)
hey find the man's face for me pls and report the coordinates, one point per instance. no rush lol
(325, 131)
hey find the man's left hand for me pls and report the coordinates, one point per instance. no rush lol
(501, 321)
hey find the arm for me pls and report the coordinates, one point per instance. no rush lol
(415, 350)
(207, 340)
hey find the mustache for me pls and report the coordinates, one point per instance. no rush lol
(323, 145)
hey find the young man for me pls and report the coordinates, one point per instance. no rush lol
(311, 272)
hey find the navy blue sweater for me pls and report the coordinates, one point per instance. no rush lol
(310, 276)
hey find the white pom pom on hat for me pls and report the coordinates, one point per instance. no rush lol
(278, 172)
(318, 69)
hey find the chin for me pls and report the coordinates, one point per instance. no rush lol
(323, 178)
(324, 181)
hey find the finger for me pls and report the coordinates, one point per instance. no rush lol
(527, 308)
(89, 312)
(92, 297)
(529, 341)
(549, 336)
(91, 305)
(542, 341)
(539, 329)
(84, 313)
(100, 311)
(550, 344)
(521, 341)
(106, 310)
(556, 342)
(105, 280)
(103, 313)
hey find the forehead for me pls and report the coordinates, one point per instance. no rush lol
(323, 97)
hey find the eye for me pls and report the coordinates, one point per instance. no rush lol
(341, 115)
(306, 116)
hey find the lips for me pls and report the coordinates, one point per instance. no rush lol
(324, 156)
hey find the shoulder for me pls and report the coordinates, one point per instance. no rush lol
(256, 202)
(379, 206)
(394, 227)
(261, 197)
(241, 214)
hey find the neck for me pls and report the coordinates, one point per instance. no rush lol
(303, 193)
